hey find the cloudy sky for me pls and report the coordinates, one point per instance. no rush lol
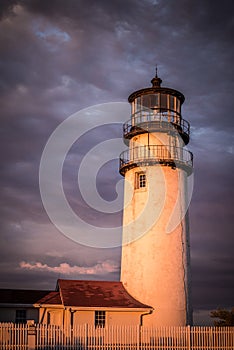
(59, 57)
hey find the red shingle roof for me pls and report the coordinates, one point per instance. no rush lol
(76, 293)
(96, 294)
(52, 298)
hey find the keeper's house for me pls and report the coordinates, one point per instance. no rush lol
(74, 302)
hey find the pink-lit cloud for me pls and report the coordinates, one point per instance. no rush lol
(66, 269)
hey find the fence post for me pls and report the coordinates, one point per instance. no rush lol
(86, 337)
(31, 331)
(139, 328)
(189, 337)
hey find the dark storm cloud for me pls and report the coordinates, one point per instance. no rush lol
(212, 230)
(58, 57)
(106, 178)
(212, 282)
(6, 7)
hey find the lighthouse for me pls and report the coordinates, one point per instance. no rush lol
(155, 263)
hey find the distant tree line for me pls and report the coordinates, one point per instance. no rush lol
(225, 317)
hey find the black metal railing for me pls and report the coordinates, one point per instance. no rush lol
(160, 120)
(156, 154)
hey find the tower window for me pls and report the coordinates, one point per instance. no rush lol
(100, 319)
(140, 181)
(20, 316)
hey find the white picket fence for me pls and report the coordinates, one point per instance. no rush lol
(13, 336)
(86, 337)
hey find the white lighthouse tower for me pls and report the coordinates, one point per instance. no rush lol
(155, 251)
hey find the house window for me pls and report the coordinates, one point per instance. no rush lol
(100, 319)
(20, 316)
(140, 181)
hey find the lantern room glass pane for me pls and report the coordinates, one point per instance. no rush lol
(163, 101)
(146, 101)
(172, 106)
(178, 106)
(156, 102)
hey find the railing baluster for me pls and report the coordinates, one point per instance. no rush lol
(154, 154)
(146, 120)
